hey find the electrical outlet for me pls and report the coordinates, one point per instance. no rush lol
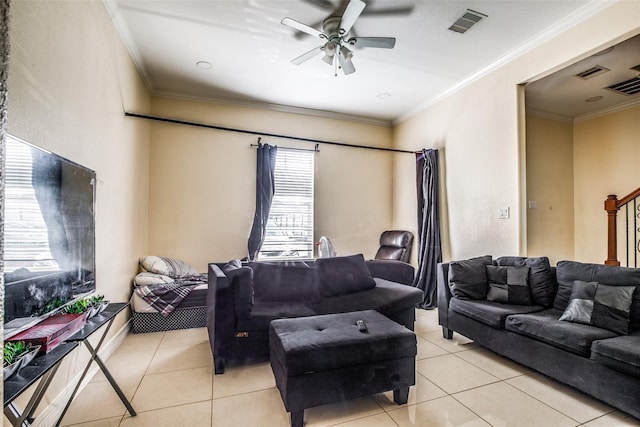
(533, 204)
(503, 213)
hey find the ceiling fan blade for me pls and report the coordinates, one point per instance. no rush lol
(322, 4)
(389, 12)
(379, 42)
(307, 56)
(301, 27)
(346, 64)
(351, 13)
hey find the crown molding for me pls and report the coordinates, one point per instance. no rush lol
(607, 111)
(551, 116)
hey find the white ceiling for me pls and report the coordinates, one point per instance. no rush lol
(250, 50)
(565, 95)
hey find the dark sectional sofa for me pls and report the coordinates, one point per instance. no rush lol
(580, 324)
(243, 298)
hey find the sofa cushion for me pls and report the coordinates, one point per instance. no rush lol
(508, 285)
(264, 312)
(343, 275)
(490, 313)
(547, 327)
(542, 279)
(620, 353)
(600, 305)
(387, 298)
(569, 271)
(468, 278)
(282, 282)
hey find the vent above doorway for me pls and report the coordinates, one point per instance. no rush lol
(592, 72)
(466, 21)
(627, 87)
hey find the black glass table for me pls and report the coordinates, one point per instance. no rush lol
(44, 367)
(41, 368)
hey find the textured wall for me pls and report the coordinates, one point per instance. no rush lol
(4, 68)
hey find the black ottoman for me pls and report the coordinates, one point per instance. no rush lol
(324, 359)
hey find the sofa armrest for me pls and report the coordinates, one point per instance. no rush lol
(392, 270)
(444, 296)
(220, 315)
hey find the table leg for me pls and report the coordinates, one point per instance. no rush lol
(94, 357)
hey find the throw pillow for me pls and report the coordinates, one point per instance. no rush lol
(283, 282)
(168, 266)
(604, 306)
(146, 279)
(468, 278)
(343, 275)
(542, 280)
(508, 285)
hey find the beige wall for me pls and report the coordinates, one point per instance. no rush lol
(571, 168)
(202, 195)
(606, 161)
(70, 78)
(550, 229)
(477, 128)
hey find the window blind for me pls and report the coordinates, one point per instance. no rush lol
(289, 231)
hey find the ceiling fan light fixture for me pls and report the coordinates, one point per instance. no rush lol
(328, 59)
(329, 52)
(346, 53)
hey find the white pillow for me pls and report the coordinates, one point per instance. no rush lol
(167, 266)
(146, 279)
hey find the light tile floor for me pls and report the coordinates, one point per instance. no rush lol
(169, 379)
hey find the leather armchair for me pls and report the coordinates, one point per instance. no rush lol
(395, 245)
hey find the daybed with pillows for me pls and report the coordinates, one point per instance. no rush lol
(244, 298)
(578, 323)
(168, 294)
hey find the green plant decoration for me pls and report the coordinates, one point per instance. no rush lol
(13, 350)
(51, 305)
(95, 300)
(77, 307)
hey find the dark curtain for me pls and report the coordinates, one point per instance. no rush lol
(265, 189)
(429, 248)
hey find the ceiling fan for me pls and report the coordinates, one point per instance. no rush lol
(335, 31)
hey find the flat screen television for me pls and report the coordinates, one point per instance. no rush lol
(49, 234)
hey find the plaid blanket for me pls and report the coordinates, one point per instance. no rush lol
(166, 297)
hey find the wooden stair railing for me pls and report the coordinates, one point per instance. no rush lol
(612, 205)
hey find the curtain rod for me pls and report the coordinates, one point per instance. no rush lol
(251, 132)
(316, 149)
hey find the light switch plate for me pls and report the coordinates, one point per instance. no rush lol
(503, 213)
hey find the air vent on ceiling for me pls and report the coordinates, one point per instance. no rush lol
(466, 21)
(627, 87)
(592, 72)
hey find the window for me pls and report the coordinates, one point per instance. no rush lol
(289, 232)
